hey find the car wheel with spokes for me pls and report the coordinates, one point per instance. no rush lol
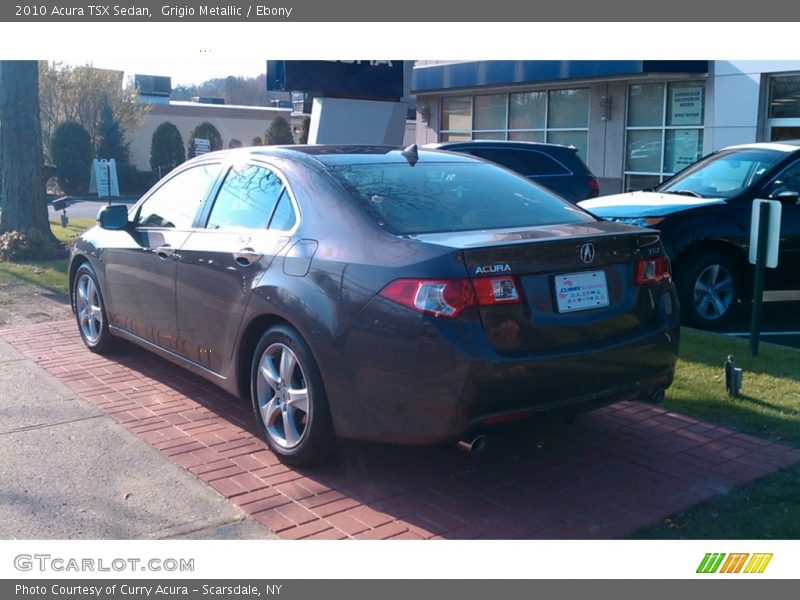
(708, 288)
(289, 398)
(90, 311)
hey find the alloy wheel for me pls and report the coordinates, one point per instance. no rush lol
(283, 396)
(89, 310)
(714, 292)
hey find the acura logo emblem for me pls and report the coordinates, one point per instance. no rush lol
(587, 253)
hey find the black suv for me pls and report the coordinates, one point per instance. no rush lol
(556, 167)
(704, 213)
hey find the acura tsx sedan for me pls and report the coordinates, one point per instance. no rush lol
(404, 296)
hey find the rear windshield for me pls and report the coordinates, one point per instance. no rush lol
(443, 197)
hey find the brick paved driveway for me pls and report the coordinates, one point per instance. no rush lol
(616, 470)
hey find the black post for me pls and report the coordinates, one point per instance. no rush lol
(758, 282)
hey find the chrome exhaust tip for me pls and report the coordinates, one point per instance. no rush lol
(475, 445)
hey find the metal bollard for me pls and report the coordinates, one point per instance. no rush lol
(733, 377)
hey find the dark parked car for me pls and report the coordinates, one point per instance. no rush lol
(704, 215)
(409, 297)
(556, 167)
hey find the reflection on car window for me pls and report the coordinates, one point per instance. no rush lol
(175, 203)
(246, 199)
(725, 174)
(442, 197)
(284, 217)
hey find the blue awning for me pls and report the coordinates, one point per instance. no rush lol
(452, 76)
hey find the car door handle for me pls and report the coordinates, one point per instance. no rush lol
(164, 252)
(246, 257)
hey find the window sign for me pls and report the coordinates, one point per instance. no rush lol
(682, 148)
(685, 105)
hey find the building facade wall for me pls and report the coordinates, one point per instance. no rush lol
(623, 149)
(242, 123)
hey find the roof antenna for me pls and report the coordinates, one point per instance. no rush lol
(410, 154)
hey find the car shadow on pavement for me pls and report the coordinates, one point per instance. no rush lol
(614, 471)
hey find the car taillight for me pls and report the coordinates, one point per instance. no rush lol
(594, 184)
(448, 298)
(652, 270)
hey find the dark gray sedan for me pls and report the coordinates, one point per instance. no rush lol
(378, 294)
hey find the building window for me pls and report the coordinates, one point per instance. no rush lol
(783, 112)
(555, 116)
(664, 132)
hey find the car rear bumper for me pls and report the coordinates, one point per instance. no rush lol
(423, 383)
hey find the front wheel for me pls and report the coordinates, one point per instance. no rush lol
(708, 286)
(90, 311)
(289, 398)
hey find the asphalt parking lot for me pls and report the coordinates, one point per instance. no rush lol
(614, 471)
(780, 320)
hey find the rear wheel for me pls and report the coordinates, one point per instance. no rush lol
(708, 288)
(289, 399)
(90, 311)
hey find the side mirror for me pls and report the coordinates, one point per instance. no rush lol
(113, 217)
(785, 196)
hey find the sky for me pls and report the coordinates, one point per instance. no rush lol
(181, 71)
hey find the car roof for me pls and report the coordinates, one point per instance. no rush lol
(499, 144)
(783, 146)
(332, 154)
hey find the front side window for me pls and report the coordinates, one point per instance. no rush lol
(177, 201)
(527, 162)
(447, 197)
(246, 199)
(787, 180)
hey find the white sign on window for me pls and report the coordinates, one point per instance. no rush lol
(682, 149)
(686, 105)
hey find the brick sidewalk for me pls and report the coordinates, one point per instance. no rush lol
(615, 471)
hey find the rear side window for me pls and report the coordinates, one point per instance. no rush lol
(246, 199)
(176, 202)
(442, 197)
(526, 162)
(284, 217)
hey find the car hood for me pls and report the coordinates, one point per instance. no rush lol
(644, 204)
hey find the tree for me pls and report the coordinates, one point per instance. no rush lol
(305, 126)
(204, 131)
(80, 94)
(279, 132)
(257, 141)
(23, 202)
(71, 151)
(166, 148)
(234, 143)
(111, 143)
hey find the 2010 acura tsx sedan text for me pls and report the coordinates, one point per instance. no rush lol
(404, 296)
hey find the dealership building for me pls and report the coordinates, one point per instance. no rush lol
(633, 122)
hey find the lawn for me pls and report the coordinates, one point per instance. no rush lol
(49, 275)
(769, 407)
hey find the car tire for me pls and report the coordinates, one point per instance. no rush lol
(90, 311)
(289, 400)
(708, 285)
